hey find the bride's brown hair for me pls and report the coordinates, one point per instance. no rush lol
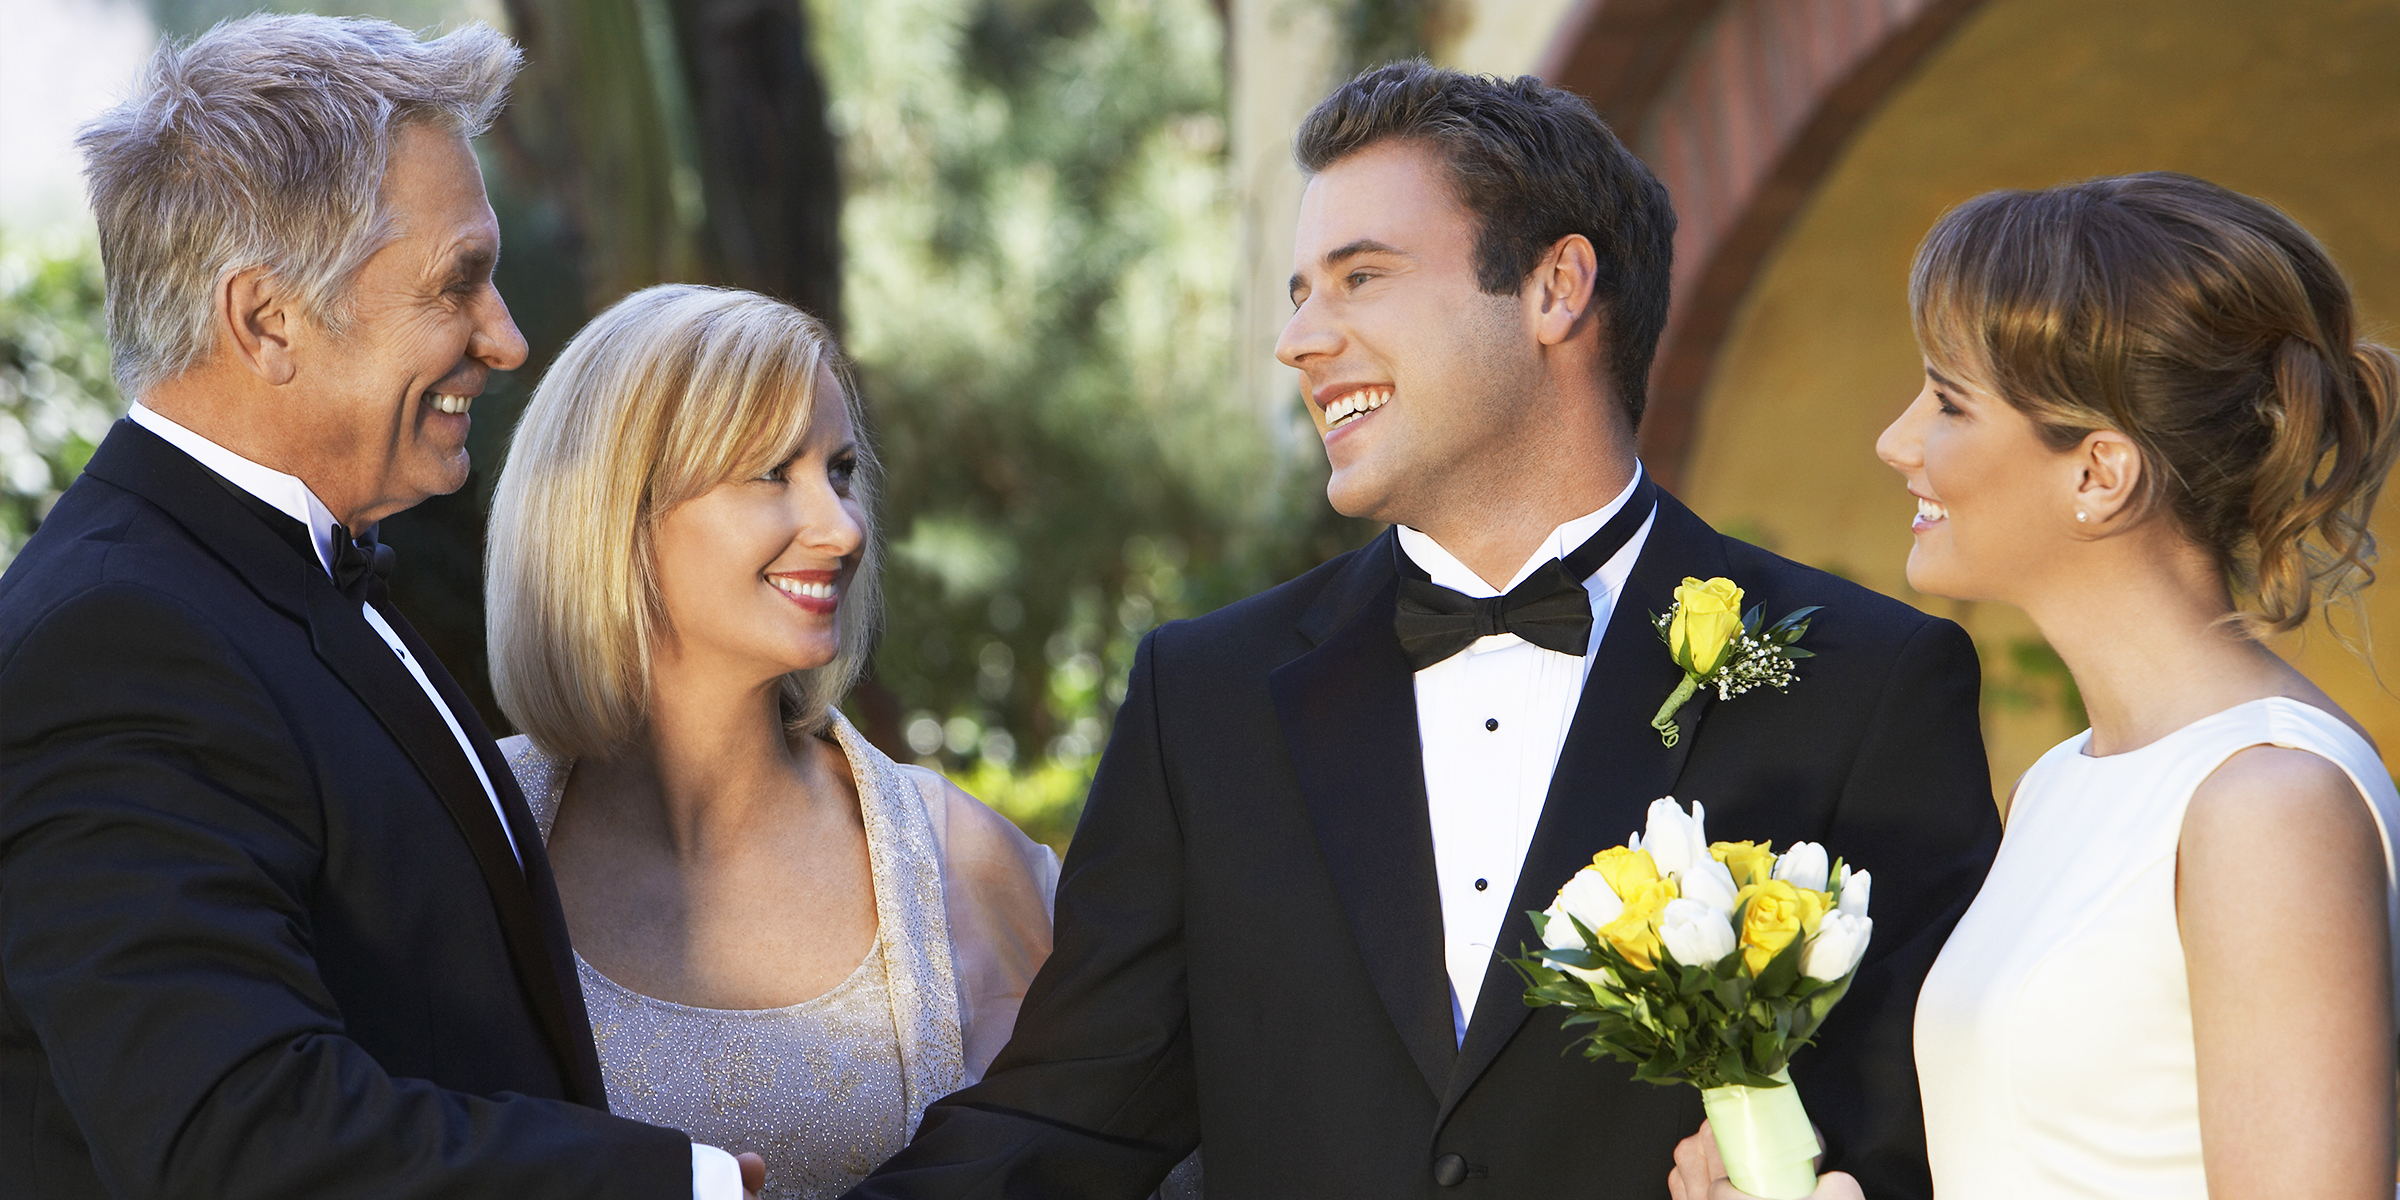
(2206, 326)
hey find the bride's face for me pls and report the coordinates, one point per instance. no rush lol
(753, 572)
(1990, 494)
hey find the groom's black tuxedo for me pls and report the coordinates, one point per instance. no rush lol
(1249, 943)
(261, 933)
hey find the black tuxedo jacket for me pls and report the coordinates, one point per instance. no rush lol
(261, 933)
(1249, 943)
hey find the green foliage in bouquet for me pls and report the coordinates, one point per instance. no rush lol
(1711, 1026)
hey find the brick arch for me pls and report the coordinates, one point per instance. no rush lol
(1741, 106)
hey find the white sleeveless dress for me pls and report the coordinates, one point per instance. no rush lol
(2054, 1033)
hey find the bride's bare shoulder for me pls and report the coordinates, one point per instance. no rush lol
(2278, 809)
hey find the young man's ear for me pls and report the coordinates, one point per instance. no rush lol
(1559, 293)
(255, 318)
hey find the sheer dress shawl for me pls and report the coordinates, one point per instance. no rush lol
(962, 903)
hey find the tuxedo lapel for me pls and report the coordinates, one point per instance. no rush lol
(210, 510)
(357, 655)
(558, 998)
(1609, 770)
(218, 520)
(1349, 714)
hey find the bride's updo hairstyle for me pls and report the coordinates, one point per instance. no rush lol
(672, 391)
(2205, 326)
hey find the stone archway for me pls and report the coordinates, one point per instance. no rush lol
(1740, 106)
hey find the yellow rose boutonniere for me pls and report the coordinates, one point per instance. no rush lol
(1703, 623)
(1720, 646)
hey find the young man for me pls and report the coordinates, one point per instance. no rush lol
(1325, 811)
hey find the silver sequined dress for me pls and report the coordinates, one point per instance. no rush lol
(828, 1088)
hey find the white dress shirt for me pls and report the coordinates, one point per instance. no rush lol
(715, 1174)
(1492, 720)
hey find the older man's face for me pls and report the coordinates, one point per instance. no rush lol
(427, 330)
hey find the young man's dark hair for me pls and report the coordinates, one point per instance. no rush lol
(1534, 163)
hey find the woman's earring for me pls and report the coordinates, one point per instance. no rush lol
(2081, 515)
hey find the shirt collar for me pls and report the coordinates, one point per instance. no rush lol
(286, 493)
(1445, 569)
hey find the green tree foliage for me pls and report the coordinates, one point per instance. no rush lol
(56, 397)
(1040, 248)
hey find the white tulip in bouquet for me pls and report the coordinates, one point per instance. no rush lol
(1708, 963)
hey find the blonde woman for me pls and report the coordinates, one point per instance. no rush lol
(2149, 423)
(788, 943)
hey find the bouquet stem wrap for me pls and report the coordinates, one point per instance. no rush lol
(1769, 1148)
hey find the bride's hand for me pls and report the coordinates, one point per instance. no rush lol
(1700, 1174)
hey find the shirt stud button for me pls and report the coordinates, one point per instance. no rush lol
(1491, 723)
(1482, 884)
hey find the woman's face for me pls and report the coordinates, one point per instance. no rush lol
(1990, 494)
(754, 571)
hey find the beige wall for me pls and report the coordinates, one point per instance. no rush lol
(2298, 102)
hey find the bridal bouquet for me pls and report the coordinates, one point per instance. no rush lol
(1708, 963)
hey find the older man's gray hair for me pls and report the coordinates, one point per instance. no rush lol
(263, 143)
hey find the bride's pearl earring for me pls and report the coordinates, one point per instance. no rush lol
(2081, 515)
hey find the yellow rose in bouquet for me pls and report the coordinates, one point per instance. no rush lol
(1750, 862)
(1625, 868)
(1634, 933)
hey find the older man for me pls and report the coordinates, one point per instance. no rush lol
(276, 921)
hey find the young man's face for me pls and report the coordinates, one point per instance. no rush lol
(1415, 375)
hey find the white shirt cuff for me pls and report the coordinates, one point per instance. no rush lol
(715, 1176)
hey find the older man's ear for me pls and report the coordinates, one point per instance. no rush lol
(256, 322)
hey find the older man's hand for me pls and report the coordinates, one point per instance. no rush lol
(754, 1175)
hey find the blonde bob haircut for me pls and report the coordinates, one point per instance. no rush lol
(672, 391)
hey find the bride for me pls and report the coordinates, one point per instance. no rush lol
(2147, 422)
(788, 943)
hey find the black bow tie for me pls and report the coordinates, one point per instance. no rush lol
(360, 562)
(1549, 609)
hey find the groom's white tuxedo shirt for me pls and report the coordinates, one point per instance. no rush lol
(715, 1174)
(1492, 720)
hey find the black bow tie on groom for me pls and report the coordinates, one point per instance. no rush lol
(359, 561)
(1549, 609)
